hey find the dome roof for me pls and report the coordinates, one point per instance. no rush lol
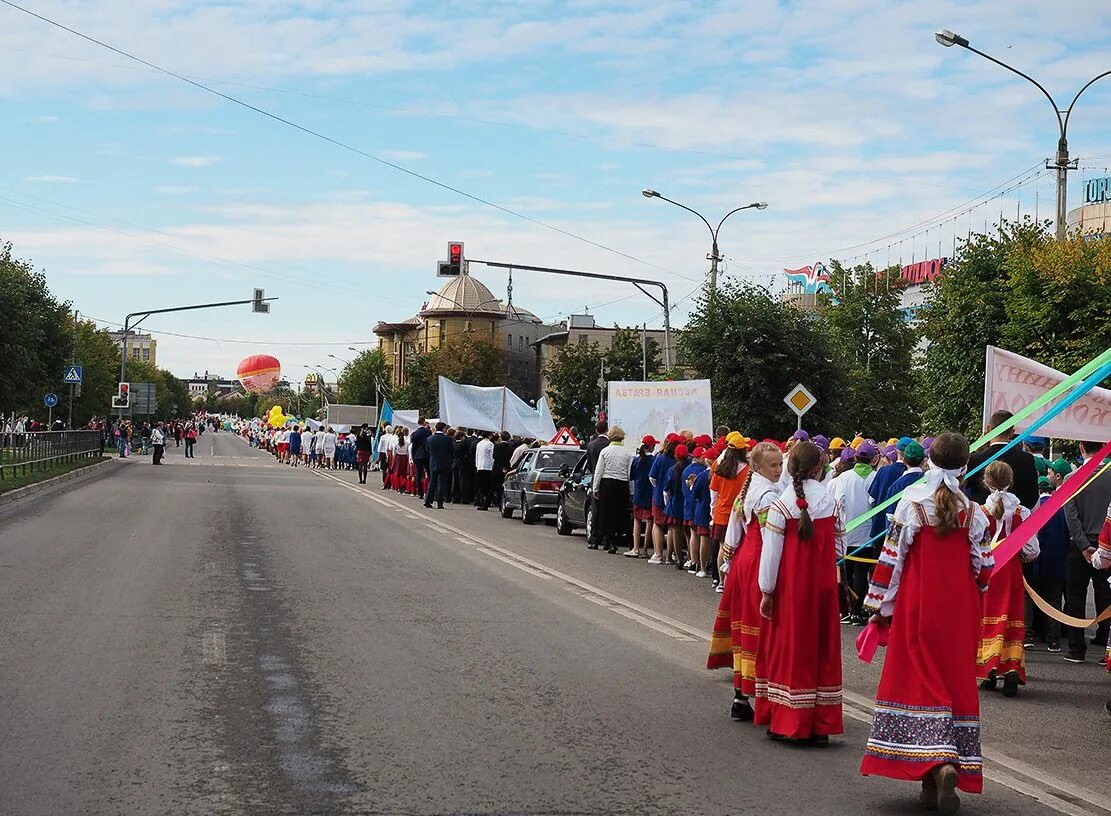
(464, 294)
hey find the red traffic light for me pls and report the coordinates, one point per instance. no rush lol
(455, 252)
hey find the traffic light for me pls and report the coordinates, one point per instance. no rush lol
(455, 258)
(123, 396)
(259, 304)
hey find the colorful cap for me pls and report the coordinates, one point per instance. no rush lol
(738, 440)
(866, 449)
(892, 442)
(914, 452)
(857, 442)
(848, 455)
(903, 442)
(1041, 465)
(927, 442)
(681, 452)
(704, 441)
(650, 441)
(1044, 483)
(836, 443)
(800, 436)
(821, 441)
(673, 437)
(699, 452)
(1061, 467)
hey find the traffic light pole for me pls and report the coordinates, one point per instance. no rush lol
(143, 315)
(639, 283)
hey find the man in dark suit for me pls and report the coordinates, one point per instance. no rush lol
(595, 446)
(459, 467)
(470, 476)
(1021, 462)
(503, 451)
(418, 442)
(1085, 515)
(441, 449)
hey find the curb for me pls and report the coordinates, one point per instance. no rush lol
(49, 485)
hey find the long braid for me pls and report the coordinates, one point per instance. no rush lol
(740, 502)
(801, 462)
(806, 526)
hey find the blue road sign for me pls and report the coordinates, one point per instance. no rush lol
(50, 400)
(72, 375)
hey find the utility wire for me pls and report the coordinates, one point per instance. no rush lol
(343, 145)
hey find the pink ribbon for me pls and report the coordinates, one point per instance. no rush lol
(1041, 516)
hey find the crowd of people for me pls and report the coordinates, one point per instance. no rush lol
(765, 522)
(322, 448)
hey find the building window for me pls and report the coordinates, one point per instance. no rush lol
(509, 341)
(134, 354)
(521, 343)
(146, 355)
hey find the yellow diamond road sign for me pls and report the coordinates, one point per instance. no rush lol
(800, 400)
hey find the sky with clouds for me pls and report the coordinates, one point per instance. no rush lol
(868, 140)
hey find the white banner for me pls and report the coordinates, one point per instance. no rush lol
(1011, 382)
(493, 408)
(660, 408)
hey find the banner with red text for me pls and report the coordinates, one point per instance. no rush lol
(1012, 382)
(660, 408)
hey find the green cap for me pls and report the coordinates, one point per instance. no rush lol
(914, 452)
(1060, 467)
(1041, 464)
(1043, 483)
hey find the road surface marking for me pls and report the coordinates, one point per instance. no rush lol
(1053, 792)
(523, 567)
(214, 649)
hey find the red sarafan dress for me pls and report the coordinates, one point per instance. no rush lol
(737, 626)
(798, 657)
(927, 705)
(1102, 560)
(1003, 622)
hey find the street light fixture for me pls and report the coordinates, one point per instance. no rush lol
(714, 257)
(1061, 163)
(345, 362)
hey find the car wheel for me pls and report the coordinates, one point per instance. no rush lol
(506, 510)
(563, 527)
(589, 522)
(527, 515)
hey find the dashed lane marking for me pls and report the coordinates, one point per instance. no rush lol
(1053, 792)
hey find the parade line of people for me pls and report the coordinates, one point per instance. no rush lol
(766, 523)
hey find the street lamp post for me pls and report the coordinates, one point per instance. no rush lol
(713, 257)
(1061, 163)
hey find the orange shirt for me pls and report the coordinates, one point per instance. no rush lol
(727, 490)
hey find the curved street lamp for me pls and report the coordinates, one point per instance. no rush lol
(713, 257)
(1061, 164)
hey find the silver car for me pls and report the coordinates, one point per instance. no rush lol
(533, 486)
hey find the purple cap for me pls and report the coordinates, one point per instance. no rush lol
(929, 440)
(848, 455)
(892, 453)
(821, 441)
(867, 449)
(800, 436)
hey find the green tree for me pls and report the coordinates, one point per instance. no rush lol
(967, 310)
(464, 359)
(35, 335)
(754, 348)
(626, 356)
(875, 346)
(573, 385)
(358, 383)
(99, 358)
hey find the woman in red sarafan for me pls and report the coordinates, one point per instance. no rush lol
(927, 587)
(1003, 627)
(798, 659)
(737, 626)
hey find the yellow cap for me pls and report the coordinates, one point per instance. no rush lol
(738, 440)
(836, 444)
(856, 443)
(893, 441)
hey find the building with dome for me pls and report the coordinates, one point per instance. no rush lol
(464, 305)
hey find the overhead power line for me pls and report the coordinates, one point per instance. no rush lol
(343, 145)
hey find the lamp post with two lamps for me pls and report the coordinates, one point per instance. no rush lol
(1061, 163)
(714, 257)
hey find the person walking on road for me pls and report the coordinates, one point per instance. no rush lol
(364, 445)
(611, 491)
(330, 448)
(484, 470)
(158, 442)
(418, 451)
(295, 446)
(440, 449)
(190, 442)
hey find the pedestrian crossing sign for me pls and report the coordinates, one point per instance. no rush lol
(72, 375)
(564, 436)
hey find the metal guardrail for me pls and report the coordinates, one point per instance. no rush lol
(42, 450)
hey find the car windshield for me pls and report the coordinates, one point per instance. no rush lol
(555, 459)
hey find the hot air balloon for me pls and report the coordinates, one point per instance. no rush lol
(259, 372)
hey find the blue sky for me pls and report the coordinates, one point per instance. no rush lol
(133, 189)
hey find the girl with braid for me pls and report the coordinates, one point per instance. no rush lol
(927, 592)
(737, 626)
(798, 659)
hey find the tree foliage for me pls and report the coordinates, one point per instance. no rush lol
(358, 383)
(626, 356)
(574, 388)
(464, 359)
(754, 348)
(874, 345)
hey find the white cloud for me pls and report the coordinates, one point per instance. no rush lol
(194, 161)
(48, 179)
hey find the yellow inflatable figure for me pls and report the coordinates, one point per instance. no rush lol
(276, 419)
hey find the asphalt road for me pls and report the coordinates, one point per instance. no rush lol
(227, 635)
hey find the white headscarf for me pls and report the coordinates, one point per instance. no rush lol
(935, 478)
(1010, 504)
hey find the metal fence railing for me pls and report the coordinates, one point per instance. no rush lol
(42, 450)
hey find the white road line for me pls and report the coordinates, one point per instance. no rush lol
(522, 567)
(1055, 793)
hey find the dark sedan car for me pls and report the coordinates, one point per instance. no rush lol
(533, 486)
(576, 508)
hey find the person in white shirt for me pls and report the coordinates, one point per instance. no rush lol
(158, 440)
(610, 487)
(330, 448)
(318, 443)
(484, 470)
(850, 491)
(385, 444)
